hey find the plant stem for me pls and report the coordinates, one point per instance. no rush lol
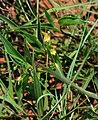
(68, 82)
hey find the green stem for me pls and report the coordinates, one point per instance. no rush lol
(80, 89)
(68, 82)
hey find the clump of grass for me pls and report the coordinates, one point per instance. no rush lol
(68, 59)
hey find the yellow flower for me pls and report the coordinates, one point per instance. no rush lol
(53, 51)
(46, 36)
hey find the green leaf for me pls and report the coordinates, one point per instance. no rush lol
(58, 63)
(43, 26)
(25, 78)
(49, 18)
(96, 82)
(70, 20)
(11, 50)
(96, 48)
(38, 91)
(31, 39)
(39, 34)
(9, 99)
(89, 78)
(27, 54)
(11, 24)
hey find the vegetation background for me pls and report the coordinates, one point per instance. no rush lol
(49, 59)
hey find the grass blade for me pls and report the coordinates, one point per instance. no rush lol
(11, 50)
(9, 22)
(39, 34)
(49, 18)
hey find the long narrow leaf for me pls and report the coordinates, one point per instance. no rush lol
(43, 26)
(49, 18)
(39, 34)
(30, 38)
(11, 50)
(9, 22)
(9, 99)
